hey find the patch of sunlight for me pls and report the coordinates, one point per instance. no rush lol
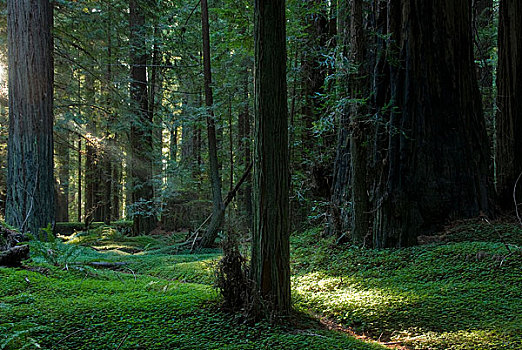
(469, 339)
(116, 248)
(335, 295)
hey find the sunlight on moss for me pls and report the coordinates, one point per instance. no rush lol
(343, 298)
(461, 340)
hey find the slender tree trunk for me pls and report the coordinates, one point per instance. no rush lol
(359, 123)
(340, 207)
(230, 144)
(80, 174)
(438, 154)
(245, 152)
(30, 182)
(62, 188)
(509, 103)
(270, 245)
(141, 139)
(218, 211)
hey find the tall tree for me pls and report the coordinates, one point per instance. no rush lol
(30, 182)
(141, 127)
(244, 147)
(270, 245)
(218, 210)
(62, 188)
(438, 154)
(359, 85)
(339, 218)
(509, 103)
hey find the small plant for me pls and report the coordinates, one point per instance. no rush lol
(232, 276)
(18, 338)
(53, 250)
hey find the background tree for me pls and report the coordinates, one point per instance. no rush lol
(509, 104)
(270, 245)
(141, 132)
(30, 181)
(438, 155)
(218, 208)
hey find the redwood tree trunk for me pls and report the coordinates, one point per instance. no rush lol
(218, 210)
(245, 152)
(509, 102)
(438, 154)
(141, 127)
(270, 245)
(30, 183)
(359, 83)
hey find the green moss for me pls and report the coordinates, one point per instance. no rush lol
(147, 304)
(445, 296)
(460, 295)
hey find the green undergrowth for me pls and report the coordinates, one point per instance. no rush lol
(462, 292)
(156, 300)
(454, 295)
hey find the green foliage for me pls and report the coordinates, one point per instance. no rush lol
(18, 336)
(53, 251)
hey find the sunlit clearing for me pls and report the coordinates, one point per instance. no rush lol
(338, 297)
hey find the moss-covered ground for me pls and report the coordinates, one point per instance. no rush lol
(462, 292)
(158, 300)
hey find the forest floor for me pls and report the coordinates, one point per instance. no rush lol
(462, 291)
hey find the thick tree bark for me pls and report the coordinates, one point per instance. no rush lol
(509, 102)
(270, 245)
(438, 154)
(30, 181)
(141, 128)
(218, 210)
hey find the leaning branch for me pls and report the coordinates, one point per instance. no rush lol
(230, 196)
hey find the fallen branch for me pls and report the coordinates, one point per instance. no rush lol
(12, 238)
(107, 265)
(70, 335)
(230, 196)
(515, 199)
(13, 257)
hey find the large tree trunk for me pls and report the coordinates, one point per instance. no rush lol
(30, 182)
(218, 210)
(141, 128)
(270, 245)
(509, 102)
(438, 154)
